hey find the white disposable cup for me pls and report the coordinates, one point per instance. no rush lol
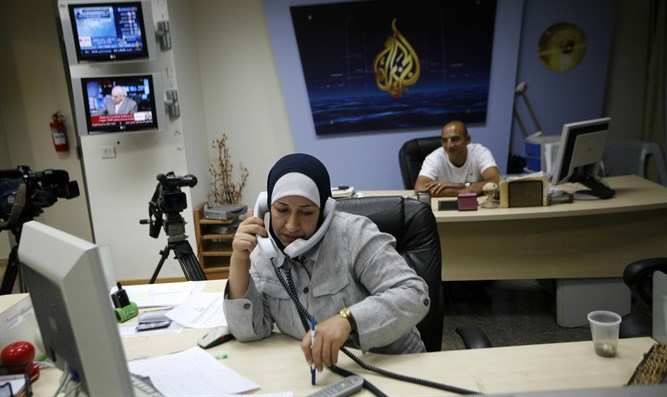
(604, 328)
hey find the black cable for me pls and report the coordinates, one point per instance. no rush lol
(405, 378)
(368, 385)
(9, 385)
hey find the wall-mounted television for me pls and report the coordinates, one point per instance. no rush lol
(119, 103)
(108, 31)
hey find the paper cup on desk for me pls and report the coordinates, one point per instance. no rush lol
(604, 329)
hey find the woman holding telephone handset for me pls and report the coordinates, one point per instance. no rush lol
(299, 262)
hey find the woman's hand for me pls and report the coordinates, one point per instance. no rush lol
(330, 336)
(245, 238)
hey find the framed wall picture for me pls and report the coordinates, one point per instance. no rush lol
(377, 65)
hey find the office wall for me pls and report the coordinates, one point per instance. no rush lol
(577, 94)
(33, 86)
(240, 88)
(4, 163)
(627, 69)
(370, 161)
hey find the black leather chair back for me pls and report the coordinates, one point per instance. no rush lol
(413, 225)
(412, 155)
(638, 276)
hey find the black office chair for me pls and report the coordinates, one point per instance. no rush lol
(638, 276)
(413, 225)
(412, 155)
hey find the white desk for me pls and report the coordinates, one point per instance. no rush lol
(585, 239)
(277, 364)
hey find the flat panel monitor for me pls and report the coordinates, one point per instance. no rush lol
(581, 149)
(120, 103)
(108, 31)
(70, 297)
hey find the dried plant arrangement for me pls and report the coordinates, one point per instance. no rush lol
(223, 189)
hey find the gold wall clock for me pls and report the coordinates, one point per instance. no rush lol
(562, 47)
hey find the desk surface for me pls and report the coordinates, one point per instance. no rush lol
(633, 193)
(277, 364)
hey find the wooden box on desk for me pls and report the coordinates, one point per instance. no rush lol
(524, 192)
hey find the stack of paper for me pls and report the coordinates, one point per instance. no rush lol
(191, 373)
(159, 295)
(201, 310)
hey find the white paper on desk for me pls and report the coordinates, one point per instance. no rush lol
(201, 310)
(17, 382)
(192, 372)
(157, 295)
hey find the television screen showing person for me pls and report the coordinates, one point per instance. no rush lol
(118, 102)
(459, 166)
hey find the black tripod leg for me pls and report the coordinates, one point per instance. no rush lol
(189, 263)
(10, 273)
(163, 257)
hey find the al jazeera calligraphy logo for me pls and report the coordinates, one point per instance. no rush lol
(396, 67)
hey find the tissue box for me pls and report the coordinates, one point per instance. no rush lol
(467, 201)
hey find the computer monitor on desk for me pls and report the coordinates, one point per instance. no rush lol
(581, 148)
(73, 309)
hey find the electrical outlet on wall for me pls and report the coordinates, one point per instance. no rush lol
(108, 152)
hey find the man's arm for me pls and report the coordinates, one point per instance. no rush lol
(491, 174)
(438, 189)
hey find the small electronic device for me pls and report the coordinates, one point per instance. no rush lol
(581, 149)
(448, 204)
(344, 387)
(215, 337)
(153, 325)
(119, 103)
(108, 31)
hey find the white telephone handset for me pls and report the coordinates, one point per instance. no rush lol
(265, 244)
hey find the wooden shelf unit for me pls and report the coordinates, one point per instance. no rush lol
(213, 248)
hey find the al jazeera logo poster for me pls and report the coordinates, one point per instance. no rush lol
(376, 65)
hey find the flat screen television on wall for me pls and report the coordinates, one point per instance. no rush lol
(120, 103)
(108, 31)
(378, 65)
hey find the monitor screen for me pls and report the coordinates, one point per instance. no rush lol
(581, 149)
(120, 103)
(108, 31)
(68, 289)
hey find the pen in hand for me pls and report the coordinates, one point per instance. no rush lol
(313, 325)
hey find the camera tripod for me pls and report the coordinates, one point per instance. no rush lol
(11, 272)
(177, 241)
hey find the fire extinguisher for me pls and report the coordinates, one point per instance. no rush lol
(59, 133)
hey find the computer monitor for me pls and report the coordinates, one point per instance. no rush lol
(70, 297)
(119, 103)
(108, 31)
(581, 150)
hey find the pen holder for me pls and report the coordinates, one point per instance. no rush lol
(126, 312)
(467, 201)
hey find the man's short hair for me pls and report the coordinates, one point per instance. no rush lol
(119, 89)
(465, 129)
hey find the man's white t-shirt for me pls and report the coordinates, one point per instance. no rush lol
(438, 167)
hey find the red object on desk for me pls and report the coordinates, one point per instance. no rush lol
(22, 354)
(467, 201)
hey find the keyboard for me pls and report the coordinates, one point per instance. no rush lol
(143, 387)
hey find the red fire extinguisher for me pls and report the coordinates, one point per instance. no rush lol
(58, 132)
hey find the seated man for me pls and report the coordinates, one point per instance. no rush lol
(460, 166)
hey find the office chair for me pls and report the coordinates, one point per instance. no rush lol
(413, 225)
(633, 157)
(638, 276)
(412, 155)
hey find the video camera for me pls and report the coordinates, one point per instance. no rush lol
(167, 199)
(24, 194)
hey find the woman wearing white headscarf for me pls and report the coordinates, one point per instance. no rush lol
(344, 272)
